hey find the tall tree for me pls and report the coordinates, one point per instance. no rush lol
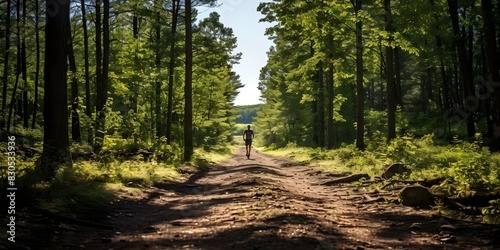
(75, 117)
(360, 94)
(321, 106)
(37, 65)
(171, 68)
(55, 136)
(88, 103)
(24, 69)
(389, 74)
(465, 68)
(18, 65)
(493, 67)
(188, 98)
(102, 75)
(397, 76)
(5, 77)
(99, 103)
(330, 91)
(158, 58)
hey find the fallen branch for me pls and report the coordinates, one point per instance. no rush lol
(447, 218)
(469, 210)
(347, 179)
(425, 182)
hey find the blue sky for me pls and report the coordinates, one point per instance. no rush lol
(243, 18)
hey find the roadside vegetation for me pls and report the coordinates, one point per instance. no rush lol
(95, 180)
(467, 168)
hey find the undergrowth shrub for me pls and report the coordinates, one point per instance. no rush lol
(492, 212)
(469, 166)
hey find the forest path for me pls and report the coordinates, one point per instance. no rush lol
(264, 202)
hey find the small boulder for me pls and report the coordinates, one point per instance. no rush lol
(416, 196)
(395, 169)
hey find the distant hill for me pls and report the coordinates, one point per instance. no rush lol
(247, 113)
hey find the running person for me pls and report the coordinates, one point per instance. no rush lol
(248, 135)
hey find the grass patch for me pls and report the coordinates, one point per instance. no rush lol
(204, 158)
(342, 160)
(467, 166)
(90, 185)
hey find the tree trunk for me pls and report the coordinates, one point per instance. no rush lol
(188, 98)
(5, 78)
(37, 67)
(360, 95)
(464, 69)
(55, 137)
(484, 94)
(158, 116)
(428, 88)
(397, 72)
(75, 119)
(26, 115)
(171, 68)
(105, 65)
(99, 104)
(330, 124)
(493, 69)
(371, 95)
(102, 76)
(389, 75)
(321, 106)
(135, 25)
(88, 103)
(18, 67)
(134, 86)
(315, 103)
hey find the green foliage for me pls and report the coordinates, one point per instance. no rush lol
(468, 166)
(473, 170)
(492, 213)
(247, 113)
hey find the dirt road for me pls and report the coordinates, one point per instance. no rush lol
(266, 203)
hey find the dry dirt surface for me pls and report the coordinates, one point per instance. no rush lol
(263, 202)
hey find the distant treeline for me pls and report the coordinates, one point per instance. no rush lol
(247, 113)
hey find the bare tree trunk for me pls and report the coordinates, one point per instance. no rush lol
(188, 88)
(75, 119)
(5, 78)
(397, 74)
(12, 101)
(371, 95)
(464, 69)
(158, 115)
(37, 69)
(88, 103)
(321, 106)
(360, 95)
(330, 90)
(171, 68)
(134, 86)
(484, 91)
(18, 67)
(26, 115)
(493, 69)
(56, 137)
(101, 90)
(389, 74)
